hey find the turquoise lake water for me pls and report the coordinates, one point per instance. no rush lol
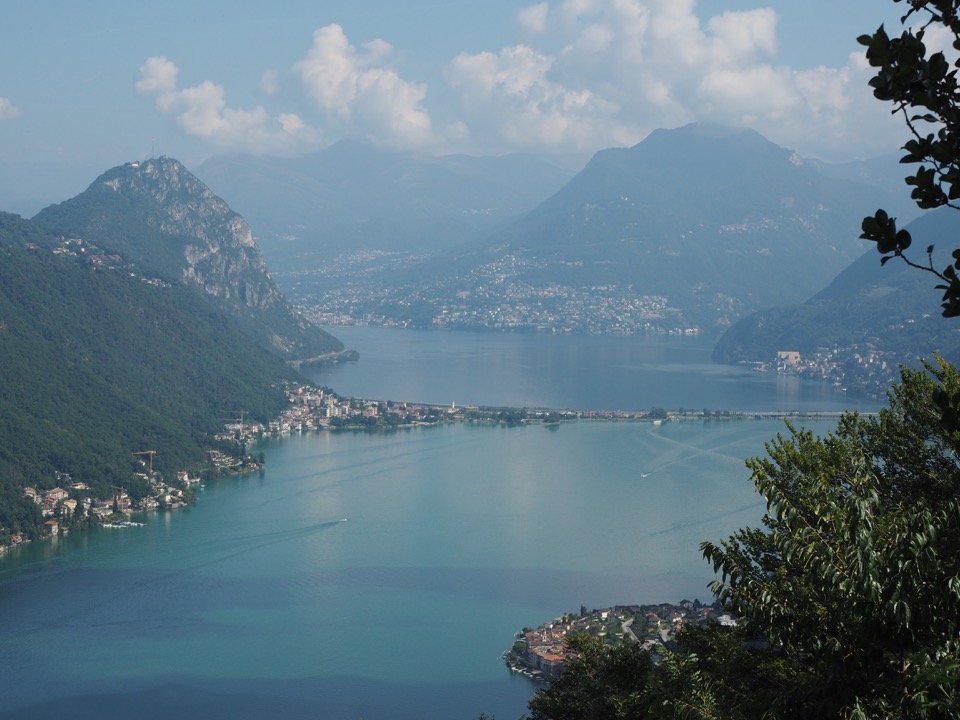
(373, 575)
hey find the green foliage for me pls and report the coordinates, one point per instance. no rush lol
(96, 364)
(605, 681)
(849, 595)
(714, 672)
(922, 86)
(855, 578)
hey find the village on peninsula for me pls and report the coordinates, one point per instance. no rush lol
(541, 653)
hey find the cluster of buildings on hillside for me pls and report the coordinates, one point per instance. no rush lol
(595, 310)
(498, 302)
(98, 258)
(62, 507)
(319, 408)
(861, 369)
(544, 651)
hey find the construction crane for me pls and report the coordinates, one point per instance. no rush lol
(151, 453)
(236, 417)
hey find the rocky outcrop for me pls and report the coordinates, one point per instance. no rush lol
(158, 215)
(219, 253)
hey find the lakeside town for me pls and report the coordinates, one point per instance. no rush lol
(70, 505)
(859, 369)
(541, 653)
(492, 298)
(62, 506)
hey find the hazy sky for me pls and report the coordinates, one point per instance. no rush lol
(85, 86)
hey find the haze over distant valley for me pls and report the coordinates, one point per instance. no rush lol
(688, 231)
(410, 165)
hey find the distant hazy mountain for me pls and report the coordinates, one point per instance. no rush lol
(884, 172)
(718, 222)
(158, 215)
(355, 197)
(894, 308)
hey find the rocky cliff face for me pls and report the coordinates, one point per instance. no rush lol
(219, 253)
(158, 215)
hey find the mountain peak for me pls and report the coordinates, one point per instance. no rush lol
(173, 200)
(712, 131)
(159, 215)
(713, 139)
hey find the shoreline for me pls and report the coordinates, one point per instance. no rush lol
(312, 408)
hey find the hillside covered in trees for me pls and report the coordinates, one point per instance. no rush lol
(157, 215)
(100, 359)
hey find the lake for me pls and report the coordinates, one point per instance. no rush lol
(380, 575)
(564, 372)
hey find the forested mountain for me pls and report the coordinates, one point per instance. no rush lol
(157, 215)
(100, 359)
(893, 309)
(353, 197)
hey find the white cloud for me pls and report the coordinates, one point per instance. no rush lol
(743, 35)
(589, 74)
(616, 69)
(534, 17)
(360, 90)
(157, 75)
(202, 111)
(511, 103)
(8, 111)
(290, 123)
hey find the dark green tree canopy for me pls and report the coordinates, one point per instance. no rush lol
(856, 577)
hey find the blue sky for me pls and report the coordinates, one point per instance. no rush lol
(86, 86)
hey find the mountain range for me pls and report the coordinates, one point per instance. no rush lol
(136, 314)
(718, 221)
(692, 228)
(354, 198)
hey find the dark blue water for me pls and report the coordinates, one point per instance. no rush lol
(380, 575)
